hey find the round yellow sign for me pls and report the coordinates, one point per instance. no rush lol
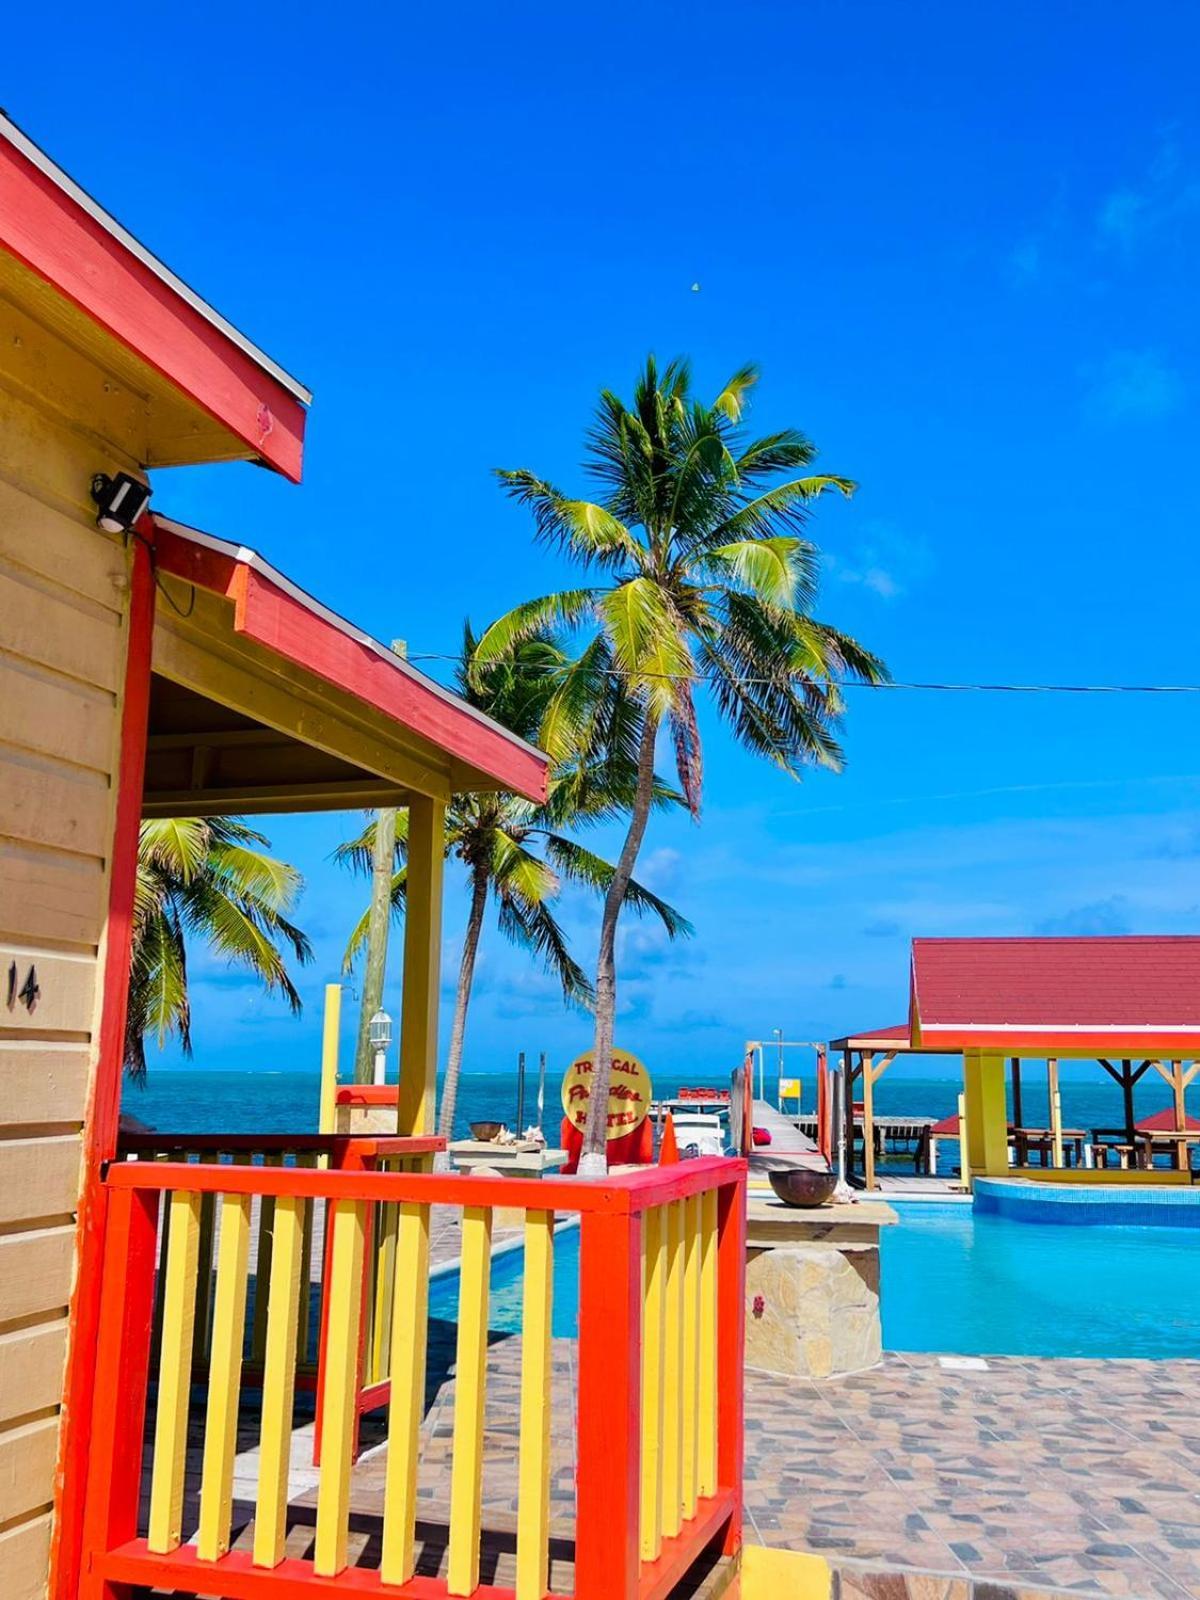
(628, 1093)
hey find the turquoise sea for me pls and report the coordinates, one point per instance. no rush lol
(194, 1101)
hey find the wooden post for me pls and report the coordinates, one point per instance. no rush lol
(422, 952)
(1127, 1082)
(731, 1352)
(1018, 1118)
(964, 1143)
(329, 1061)
(1056, 1139)
(847, 1114)
(121, 1375)
(868, 1078)
(608, 1476)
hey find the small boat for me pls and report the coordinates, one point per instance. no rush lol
(699, 1133)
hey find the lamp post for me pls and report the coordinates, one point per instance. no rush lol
(379, 1035)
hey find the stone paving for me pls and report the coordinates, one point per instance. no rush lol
(1033, 1475)
(917, 1480)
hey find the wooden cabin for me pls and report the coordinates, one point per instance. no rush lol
(154, 670)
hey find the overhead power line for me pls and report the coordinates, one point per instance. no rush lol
(855, 683)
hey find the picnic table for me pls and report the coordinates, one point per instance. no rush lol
(1025, 1140)
(1174, 1141)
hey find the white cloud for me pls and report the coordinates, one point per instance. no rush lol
(1134, 385)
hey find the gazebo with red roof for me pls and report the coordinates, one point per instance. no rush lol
(1114, 1000)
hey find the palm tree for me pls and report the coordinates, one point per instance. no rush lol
(514, 852)
(211, 878)
(696, 538)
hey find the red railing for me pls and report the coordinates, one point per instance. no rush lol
(659, 1402)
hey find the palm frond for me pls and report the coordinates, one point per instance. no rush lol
(582, 866)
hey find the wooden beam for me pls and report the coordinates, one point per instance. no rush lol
(422, 959)
(271, 797)
(271, 613)
(868, 1078)
(203, 654)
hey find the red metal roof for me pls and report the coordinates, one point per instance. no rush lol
(1102, 995)
(1165, 1121)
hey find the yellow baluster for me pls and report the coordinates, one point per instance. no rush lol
(466, 1473)
(672, 1453)
(410, 1312)
(707, 1447)
(204, 1264)
(654, 1305)
(533, 1492)
(224, 1378)
(262, 1265)
(165, 1531)
(279, 1379)
(341, 1382)
(691, 1352)
(304, 1315)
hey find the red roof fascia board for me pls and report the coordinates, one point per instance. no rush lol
(299, 630)
(56, 237)
(1109, 994)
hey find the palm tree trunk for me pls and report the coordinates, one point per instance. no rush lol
(383, 865)
(593, 1162)
(462, 999)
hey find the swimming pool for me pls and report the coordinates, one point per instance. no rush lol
(962, 1283)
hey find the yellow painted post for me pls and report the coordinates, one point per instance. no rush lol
(987, 1112)
(672, 1453)
(341, 1384)
(279, 1382)
(386, 1223)
(653, 1311)
(304, 1312)
(410, 1313)
(204, 1264)
(422, 951)
(262, 1266)
(466, 1471)
(691, 1354)
(533, 1483)
(964, 1143)
(165, 1530)
(329, 1060)
(224, 1378)
(707, 1465)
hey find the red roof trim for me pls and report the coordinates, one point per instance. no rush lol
(274, 613)
(81, 253)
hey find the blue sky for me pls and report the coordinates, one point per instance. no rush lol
(962, 244)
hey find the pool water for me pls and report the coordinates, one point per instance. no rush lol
(964, 1284)
(956, 1281)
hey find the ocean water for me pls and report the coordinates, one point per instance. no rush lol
(194, 1101)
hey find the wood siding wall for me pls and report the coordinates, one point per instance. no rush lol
(63, 613)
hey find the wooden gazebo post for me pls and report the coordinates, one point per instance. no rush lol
(415, 1104)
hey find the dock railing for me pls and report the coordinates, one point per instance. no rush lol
(659, 1401)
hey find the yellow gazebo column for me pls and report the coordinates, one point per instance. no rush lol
(422, 952)
(987, 1113)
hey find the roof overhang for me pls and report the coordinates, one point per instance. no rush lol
(266, 700)
(199, 389)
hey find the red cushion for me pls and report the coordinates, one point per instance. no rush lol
(762, 1136)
